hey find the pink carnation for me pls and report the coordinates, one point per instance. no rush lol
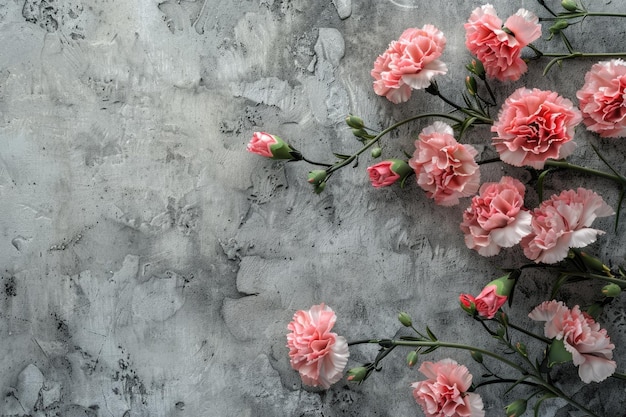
(410, 62)
(562, 222)
(444, 393)
(498, 50)
(445, 169)
(260, 144)
(496, 218)
(534, 125)
(381, 174)
(590, 346)
(318, 354)
(603, 99)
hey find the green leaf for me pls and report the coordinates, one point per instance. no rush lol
(431, 334)
(557, 353)
(467, 123)
(341, 156)
(619, 208)
(563, 278)
(540, 180)
(516, 383)
(430, 349)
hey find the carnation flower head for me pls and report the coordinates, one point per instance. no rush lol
(444, 393)
(445, 169)
(499, 46)
(318, 354)
(409, 63)
(533, 126)
(496, 217)
(602, 99)
(589, 345)
(563, 222)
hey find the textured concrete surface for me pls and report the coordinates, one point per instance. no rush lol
(150, 264)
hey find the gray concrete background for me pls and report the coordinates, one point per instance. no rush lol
(150, 265)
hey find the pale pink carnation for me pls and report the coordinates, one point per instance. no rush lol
(590, 346)
(445, 169)
(410, 62)
(444, 393)
(603, 99)
(562, 222)
(318, 354)
(499, 51)
(535, 125)
(496, 218)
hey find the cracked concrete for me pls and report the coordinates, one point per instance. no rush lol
(151, 264)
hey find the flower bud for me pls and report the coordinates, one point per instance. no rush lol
(319, 187)
(516, 408)
(558, 26)
(388, 172)
(611, 290)
(592, 262)
(360, 133)
(317, 176)
(569, 5)
(470, 84)
(405, 319)
(477, 356)
(271, 146)
(376, 152)
(504, 284)
(411, 358)
(467, 304)
(357, 374)
(521, 348)
(355, 122)
(476, 67)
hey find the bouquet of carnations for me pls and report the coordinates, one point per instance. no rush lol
(534, 129)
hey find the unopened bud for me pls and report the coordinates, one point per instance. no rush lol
(411, 358)
(360, 133)
(405, 319)
(558, 26)
(357, 374)
(317, 176)
(477, 356)
(593, 263)
(355, 122)
(611, 290)
(569, 5)
(521, 348)
(476, 67)
(376, 152)
(470, 84)
(516, 408)
(319, 187)
(468, 304)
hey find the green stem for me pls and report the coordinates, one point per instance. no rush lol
(617, 281)
(620, 179)
(618, 375)
(369, 144)
(321, 164)
(426, 343)
(468, 112)
(531, 334)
